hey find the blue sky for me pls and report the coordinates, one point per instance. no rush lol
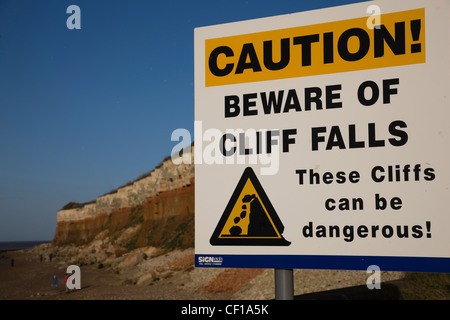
(85, 111)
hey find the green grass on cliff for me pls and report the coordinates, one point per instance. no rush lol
(177, 237)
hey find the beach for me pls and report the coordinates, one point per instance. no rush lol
(31, 279)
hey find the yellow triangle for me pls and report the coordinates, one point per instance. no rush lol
(249, 218)
(236, 226)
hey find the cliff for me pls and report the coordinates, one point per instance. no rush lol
(157, 210)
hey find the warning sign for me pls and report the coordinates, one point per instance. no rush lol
(322, 139)
(249, 218)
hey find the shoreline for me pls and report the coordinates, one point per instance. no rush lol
(20, 245)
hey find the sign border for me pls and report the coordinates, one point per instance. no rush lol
(425, 262)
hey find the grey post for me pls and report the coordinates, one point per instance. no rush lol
(284, 284)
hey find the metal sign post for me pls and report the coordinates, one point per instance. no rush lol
(284, 284)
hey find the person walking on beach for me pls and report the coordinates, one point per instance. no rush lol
(65, 282)
(12, 262)
(50, 256)
(54, 282)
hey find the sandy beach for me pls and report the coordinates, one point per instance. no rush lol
(172, 276)
(31, 279)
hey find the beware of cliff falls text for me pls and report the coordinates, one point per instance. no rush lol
(264, 146)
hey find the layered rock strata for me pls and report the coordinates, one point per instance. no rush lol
(156, 209)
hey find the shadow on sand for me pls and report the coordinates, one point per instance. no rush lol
(388, 291)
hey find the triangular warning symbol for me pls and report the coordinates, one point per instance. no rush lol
(249, 218)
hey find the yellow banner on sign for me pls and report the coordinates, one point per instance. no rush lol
(332, 47)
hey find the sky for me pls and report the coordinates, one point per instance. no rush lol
(84, 111)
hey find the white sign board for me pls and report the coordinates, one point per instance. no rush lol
(322, 139)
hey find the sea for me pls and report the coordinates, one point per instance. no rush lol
(19, 245)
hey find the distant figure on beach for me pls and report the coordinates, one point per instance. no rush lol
(65, 282)
(12, 262)
(40, 257)
(54, 282)
(50, 256)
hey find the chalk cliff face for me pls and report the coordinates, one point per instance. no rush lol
(157, 210)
